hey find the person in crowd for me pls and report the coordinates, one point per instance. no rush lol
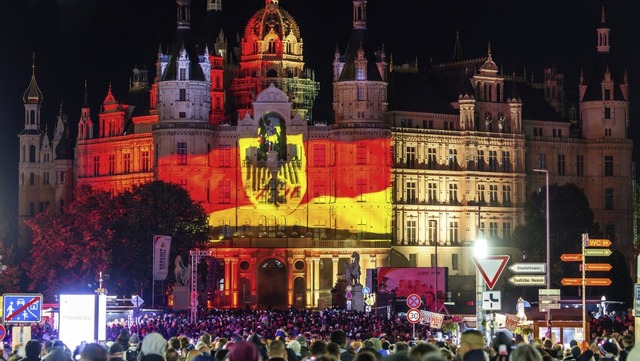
(526, 352)
(93, 352)
(304, 347)
(318, 348)
(628, 341)
(610, 349)
(339, 337)
(244, 351)
(294, 354)
(472, 346)
(131, 353)
(422, 348)
(171, 355)
(153, 347)
(277, 351)
(116, 352)
(32, 350)
(366, 355)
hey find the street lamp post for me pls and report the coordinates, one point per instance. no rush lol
(479, 251)
(547, 216)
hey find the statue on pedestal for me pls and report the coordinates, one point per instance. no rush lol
(181, 272)
(352, 270)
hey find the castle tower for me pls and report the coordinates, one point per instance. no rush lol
(183, 136)
(359, 87)
(363, 137)
(604, 121)
(63, 163)
(29, 166)
(272, 52)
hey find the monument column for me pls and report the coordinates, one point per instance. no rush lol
(227, 277)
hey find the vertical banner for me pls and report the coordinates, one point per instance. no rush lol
(161, 246)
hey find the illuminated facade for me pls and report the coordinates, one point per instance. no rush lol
(412, 166)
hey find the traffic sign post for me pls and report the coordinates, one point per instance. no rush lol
(592, 242)
(571, 257)
(491, 301)
(22, 307)
(597, 267)
(491, 268)
(597, 252)
(528, 280)
(414, 301)
(528, 267)
(588, 282)
(414, 316)
(549, 299)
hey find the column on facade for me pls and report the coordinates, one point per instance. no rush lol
(234, 282)
(316, 281)
(334, 270)
(308, 277)
(290, 261)
(227, 277)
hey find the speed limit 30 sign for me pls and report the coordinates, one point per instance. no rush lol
(414, 315)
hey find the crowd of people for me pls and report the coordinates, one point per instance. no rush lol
(305, 335)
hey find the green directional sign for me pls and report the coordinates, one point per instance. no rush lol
(597, 252)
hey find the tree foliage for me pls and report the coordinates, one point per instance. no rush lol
(113, 234)
(570, 216)
(70, 248)
(155, 208)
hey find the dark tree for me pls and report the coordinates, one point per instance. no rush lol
(70, 248)
(570, 216)
(155, 208)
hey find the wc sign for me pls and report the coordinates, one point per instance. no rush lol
(491, 301)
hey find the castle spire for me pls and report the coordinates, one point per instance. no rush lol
(214, 5)
(359, 14)
(33, 95)
(85, 103)
(184, 14)
(457, 49)
(603, 35)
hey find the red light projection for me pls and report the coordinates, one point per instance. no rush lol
(275, 182)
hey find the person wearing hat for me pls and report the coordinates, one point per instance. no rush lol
(152, 348)
(116, 352)
(304, 348)
(131, 354)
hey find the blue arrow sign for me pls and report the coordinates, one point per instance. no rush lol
(22, 307)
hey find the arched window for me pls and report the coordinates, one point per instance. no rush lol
(32, 117)
(32, 154)
(24, 153)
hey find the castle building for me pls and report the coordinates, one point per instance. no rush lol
(415, 166)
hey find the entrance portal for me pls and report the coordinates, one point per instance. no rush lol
(272, 284)
(299, 292)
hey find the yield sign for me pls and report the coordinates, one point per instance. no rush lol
(490, 268)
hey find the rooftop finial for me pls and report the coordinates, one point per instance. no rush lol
(489, 51)
(602, 19)
(33, 62)
(457, 49)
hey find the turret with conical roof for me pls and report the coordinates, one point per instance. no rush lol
(32, 99)
(85, 125)
(363, 71)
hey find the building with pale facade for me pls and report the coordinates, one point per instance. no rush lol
(416, 164)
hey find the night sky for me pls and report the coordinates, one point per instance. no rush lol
(102, 40)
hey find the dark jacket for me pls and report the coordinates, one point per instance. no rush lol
(475, 355)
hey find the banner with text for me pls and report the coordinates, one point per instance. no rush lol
(161, 247)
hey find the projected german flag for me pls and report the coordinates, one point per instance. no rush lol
(279, 182)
